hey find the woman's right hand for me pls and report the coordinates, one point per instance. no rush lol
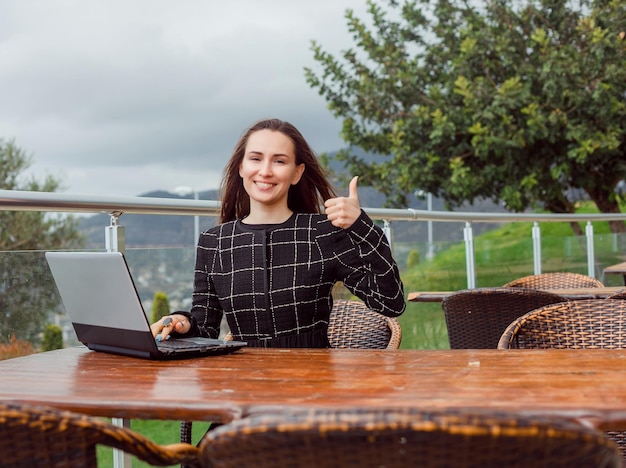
(344, 211)
(161, 329)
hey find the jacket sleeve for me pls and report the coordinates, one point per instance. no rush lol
(206, 311)
(367, 268)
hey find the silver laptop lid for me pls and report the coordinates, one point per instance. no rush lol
(97, 289)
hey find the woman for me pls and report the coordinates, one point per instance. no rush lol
(271, 263)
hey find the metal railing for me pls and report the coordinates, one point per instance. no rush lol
(12, 200)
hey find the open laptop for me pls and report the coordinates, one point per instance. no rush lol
(101, 299)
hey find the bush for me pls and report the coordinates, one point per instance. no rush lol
(413, 259)
(160, 306)
(52, 338)
(15, 348)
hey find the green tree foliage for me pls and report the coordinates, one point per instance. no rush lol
(27, 294)
(160, 306)
(519, 102)
(52, 338)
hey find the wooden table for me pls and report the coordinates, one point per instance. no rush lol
(588, 385)
(618, 269)
(569, 293)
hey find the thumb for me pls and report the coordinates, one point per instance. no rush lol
(352, 192)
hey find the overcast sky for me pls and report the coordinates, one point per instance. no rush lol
(121, 97)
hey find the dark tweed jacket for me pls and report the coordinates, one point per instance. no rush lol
(276, 280)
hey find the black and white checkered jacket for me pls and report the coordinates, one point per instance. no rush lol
(273, 281)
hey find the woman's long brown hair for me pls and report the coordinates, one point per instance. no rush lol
(307, 196)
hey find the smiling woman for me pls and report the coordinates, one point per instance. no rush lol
(271, 265)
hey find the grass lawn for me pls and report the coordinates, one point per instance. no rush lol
(161, 432)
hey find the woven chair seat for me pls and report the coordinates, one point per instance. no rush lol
(476, 318)
(402, 437)
(36, 436)
(555, 280)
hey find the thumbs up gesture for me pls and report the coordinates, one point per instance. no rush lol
(344, 211)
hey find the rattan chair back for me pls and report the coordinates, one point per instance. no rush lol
(555, 280)
(35, 436)
(401, 437)
(353, 325)
(583, 324)
(476, 318)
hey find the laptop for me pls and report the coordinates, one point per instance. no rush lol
(101, 300)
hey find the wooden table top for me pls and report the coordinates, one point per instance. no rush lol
(619, 268)
(588, 385)
(570, 293)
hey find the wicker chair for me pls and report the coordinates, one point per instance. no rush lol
(476, 318)
(351, 325)
(401, 437)
(36, 436)
(588, 323)
(555, 280)
(583, 324)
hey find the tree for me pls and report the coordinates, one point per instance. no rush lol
(519, 102)
(27, 292)
(160, 306)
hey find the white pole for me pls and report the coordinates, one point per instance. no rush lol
(430, 251)
(469, 256)
(196, 222)
(536, 235)
(591, 257)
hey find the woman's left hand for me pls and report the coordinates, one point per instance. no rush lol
(344, 211)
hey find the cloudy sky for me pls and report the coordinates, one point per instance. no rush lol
(120, 97)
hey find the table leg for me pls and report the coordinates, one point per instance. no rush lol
(121, 459)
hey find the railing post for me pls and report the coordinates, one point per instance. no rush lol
(114, 236)
(430, 252)
(591, 257)
(537, 247)
(115, 241)
(469, 255)
(387, 231)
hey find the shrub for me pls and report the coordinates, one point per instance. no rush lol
(52, 338)
(413, 259)
(15, 348)
(160, 306)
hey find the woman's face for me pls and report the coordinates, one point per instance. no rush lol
(269, 168)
